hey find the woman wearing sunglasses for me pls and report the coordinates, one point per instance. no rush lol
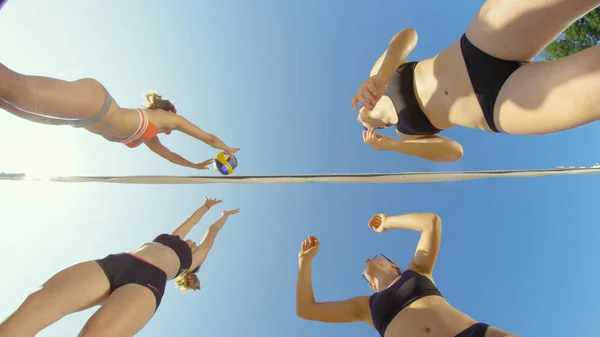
(405, 303)
(127, 286)
(484, 80)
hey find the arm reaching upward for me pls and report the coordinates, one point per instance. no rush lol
(430, 226)
(201, 252)
(183, 229)
(354, 309)
(371, 90)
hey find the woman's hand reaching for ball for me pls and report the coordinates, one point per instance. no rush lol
(204, 165)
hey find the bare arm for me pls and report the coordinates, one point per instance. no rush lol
(181, 124)
(430, 226)
(434, 148)
(354, 309)
(201, 252)
(400, 46)
(184, 229)
(157, 147)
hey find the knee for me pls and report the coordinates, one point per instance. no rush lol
(39, 301)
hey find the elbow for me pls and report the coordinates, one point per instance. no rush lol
(406, 36)
(451, 154)
(213, 229)
(303, 312)
(300, 312)
(435, 222)
(411, 33)
(457, 151)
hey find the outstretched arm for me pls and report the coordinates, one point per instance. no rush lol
(354, 309)
(157, 147)
(31, 116)
(430, 226)
(181, 124)
(183, 230)
(201, 252)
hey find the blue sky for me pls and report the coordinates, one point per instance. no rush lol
(275, 79)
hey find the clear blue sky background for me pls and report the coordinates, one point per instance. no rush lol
(275, 78)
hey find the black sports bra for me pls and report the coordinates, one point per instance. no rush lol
(400, 89)
(181, 248)
(385, 305)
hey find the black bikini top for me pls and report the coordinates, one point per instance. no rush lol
(385, 305)
(411, 119)
(181, 248)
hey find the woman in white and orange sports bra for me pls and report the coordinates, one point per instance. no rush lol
(85, 103)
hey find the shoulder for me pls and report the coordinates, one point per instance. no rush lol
(164, 120)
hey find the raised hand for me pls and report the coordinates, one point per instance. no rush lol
(378, 222)
(210, 202)
(204, 165)
(309, 248)
(231, 212)
(369, 92)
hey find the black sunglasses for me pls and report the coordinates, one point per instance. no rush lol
(374, 257)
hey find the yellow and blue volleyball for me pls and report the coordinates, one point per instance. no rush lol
(225, 163)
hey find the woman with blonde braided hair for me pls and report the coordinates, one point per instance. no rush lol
(85, 103)
(127, 286)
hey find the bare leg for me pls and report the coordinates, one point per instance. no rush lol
(551, 96)
(519, 30)
(83, 98)
(30, 116)
(125, 313)
(73, 289)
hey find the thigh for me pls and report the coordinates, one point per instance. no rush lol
(78, 287)
(125, 313)
(519, 30)
(551, 96)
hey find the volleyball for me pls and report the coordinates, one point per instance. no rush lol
(225, 163)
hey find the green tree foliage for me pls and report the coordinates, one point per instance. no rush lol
(582, 34)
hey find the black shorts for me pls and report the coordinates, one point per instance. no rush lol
(475, 330)
(487, 74)
(123, 268)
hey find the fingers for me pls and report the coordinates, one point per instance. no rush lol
(309, 243)
(354, 102)
(233, 211)
(369, 95)
(363, 101)
(368, 135)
